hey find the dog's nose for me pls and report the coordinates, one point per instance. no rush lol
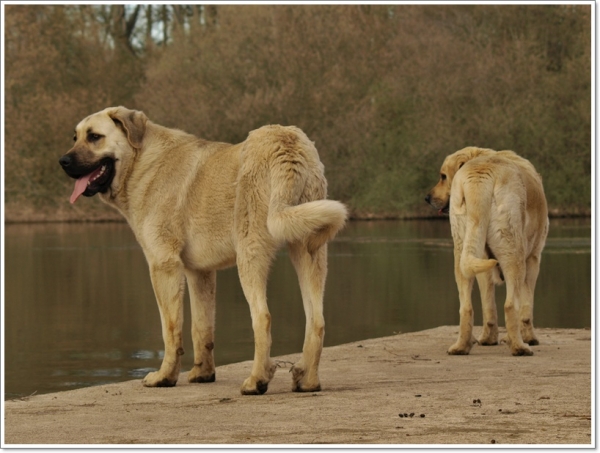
(428, 198)
(65, 161)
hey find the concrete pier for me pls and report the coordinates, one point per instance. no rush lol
(397, 390)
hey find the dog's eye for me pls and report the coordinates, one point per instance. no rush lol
(93, 137)
(74, 138)
(443, 177)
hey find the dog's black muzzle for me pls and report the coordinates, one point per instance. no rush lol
(102, 172)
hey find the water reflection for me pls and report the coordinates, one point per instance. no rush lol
(80, 310)
(145, 355)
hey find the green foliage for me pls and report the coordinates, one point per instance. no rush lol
(386, 92)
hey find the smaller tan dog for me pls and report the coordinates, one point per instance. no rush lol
(499, 221)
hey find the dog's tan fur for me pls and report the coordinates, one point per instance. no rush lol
(197, 206)
(499, 221)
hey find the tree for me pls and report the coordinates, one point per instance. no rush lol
(386, 92)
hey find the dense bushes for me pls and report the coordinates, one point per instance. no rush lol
(384, 91)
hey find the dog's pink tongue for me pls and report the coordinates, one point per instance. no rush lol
(80, 186)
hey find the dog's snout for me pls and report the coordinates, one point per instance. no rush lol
(428, 198)
(65, 161)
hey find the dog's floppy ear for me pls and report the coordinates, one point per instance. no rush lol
(133, 123)
(468, 153)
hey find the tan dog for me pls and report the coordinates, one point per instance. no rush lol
(196, 207)
(499, 222)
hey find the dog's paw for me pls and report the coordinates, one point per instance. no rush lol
(489, 335)
(530, 339)
(302, 388)
(521, 350)
(488, 340)
(156, 379)
(197, 379)
(253, 386)
(459, 349)
(301, 381)
(200, 374)
(517, 347)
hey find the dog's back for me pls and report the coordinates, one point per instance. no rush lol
(537, 208)
(491, 196)
(285, 167)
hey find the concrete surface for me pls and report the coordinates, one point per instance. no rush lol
(396, 390)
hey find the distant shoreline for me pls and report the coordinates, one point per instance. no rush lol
(14, 215)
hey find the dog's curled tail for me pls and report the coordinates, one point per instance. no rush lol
(314, 222)
(470, 265)
(477, 203)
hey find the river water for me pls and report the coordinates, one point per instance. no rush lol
(79, 309)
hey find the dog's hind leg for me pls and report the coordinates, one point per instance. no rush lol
(312, 272)
(532, 265)
(489, 335)
(202, 287)
(168, 283)
(516, 292)
(465, 340)
(472, 198)
(253, 260)
(526, 310)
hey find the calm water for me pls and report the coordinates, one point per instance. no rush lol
(79, 307)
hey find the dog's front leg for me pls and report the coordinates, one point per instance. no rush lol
(168, 283)
(465, 340)
(202, 286)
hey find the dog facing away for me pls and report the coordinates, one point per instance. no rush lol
(499, 221)
(197, 206)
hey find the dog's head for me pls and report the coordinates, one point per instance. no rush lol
(104, 143)
(439, 196)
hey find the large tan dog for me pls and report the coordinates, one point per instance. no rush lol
(499, 221)
(196, 207)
